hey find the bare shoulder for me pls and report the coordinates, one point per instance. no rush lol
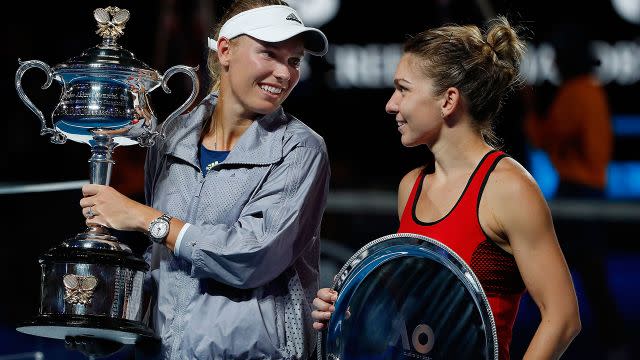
(514, 197)
(510, 180)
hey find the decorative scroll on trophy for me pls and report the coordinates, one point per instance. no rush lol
(91, 284)
(407, 296)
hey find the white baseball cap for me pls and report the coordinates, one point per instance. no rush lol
(273, 23)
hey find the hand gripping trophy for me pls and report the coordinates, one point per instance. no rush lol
(91, 284)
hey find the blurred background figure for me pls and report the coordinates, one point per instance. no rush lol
(574, 128)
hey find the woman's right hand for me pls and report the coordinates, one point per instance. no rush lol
(323, 303)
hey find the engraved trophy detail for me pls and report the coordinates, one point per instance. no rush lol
(91, 284)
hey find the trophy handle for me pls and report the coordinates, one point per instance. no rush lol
(191, 72)
(57, 137)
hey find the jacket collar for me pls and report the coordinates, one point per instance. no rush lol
(261, 143)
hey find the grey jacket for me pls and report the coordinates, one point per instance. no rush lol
(247, 269)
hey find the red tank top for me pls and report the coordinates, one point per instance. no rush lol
(460, 230)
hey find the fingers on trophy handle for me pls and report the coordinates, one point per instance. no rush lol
(191, 72)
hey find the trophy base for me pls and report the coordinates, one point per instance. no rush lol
(60, 326)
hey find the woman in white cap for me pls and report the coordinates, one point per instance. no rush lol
(235, 198)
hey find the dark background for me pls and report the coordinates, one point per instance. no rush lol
(362, 139)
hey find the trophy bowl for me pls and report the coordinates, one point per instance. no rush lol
(92, 284)
(407, 296)
(104, 90)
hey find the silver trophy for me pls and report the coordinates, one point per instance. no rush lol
(91, 284)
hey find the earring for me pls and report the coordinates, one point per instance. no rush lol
(442, 114)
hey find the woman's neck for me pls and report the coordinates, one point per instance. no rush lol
(227, 125)
(458, 150)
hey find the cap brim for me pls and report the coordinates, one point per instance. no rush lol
(315, 42)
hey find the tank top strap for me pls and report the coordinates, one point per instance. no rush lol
(408, 207)
(480, 176)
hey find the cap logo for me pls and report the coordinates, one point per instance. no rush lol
(293, 17)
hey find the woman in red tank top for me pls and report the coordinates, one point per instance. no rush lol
(449, 86)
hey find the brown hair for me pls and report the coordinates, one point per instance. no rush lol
(236, 7)
(484, 66)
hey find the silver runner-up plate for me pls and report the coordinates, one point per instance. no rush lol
(407, 296)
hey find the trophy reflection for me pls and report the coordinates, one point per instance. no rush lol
(91, 284)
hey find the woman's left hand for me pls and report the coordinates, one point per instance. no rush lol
(103, 205)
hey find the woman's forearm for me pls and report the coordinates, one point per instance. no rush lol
(553, 336)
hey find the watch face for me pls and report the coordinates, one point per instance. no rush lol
(159, 229)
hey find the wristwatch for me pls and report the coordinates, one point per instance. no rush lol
(159, 229)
